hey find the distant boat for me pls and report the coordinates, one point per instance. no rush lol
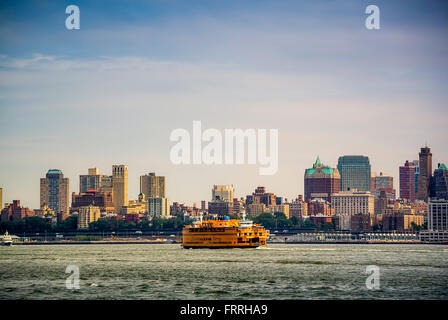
(6, 239)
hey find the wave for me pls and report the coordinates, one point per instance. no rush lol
(302, 262)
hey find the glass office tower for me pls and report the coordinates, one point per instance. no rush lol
(355, 173)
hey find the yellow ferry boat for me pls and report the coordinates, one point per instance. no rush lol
(224, 233)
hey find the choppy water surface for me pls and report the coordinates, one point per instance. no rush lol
(156, 271)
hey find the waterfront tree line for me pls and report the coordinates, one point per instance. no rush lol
(276, 221)
(37, 224)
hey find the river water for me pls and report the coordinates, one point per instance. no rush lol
(280, 271)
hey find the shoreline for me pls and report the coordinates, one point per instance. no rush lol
(178, 243)
(38, 243)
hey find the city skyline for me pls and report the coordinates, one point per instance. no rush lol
(113, 91)
(74, 185)
(134, 131)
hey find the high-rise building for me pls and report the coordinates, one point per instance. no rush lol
(120, 187)
(54, 191)
(261, 196)
(440, 182)
(106, 184)
(437, 221)
(154, 189)
(87, 215)
(298, 208)
(407, 182)
(321, 181)
(158, 207)
(438, 215)
(416, 166)
(424, 178)
(349, 203)
(355, 173)
(372, 181)
(381, 202)
(94, 181)
(255, 209)
(382, 183)
(152, 186)
(223, 192)
(238, 206)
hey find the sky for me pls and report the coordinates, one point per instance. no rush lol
(113, 91)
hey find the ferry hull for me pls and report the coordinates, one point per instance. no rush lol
(220, 247)
(220, 234)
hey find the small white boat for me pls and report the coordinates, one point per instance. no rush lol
(6, 239)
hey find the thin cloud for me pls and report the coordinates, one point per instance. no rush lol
(8, 62)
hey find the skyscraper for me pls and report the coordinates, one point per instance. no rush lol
(417, 173)
(152, 186)
(120, 186)
(425, 162)
(54, 191)
(92, 180)
(223, 192)
(321, 181)
(440, 182)
(407, 182)
(355, 173)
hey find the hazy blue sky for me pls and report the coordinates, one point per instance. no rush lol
(111, 92)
